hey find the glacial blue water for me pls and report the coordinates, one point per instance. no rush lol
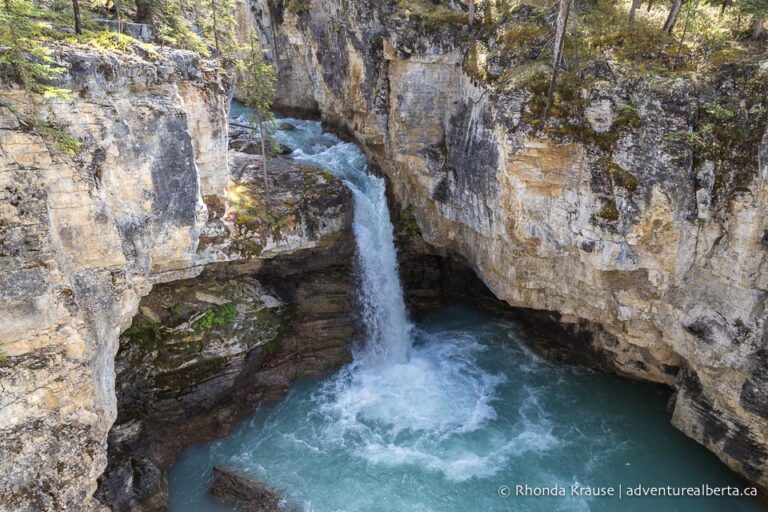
(440, 415)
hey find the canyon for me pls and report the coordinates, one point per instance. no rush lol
(650, 253)
(151, 300)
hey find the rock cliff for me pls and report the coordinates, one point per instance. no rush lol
(635, 215)
(203, 352)
(149, 198)
(83, 238)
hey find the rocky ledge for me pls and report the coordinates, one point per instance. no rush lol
(202, 353)
(233, 487)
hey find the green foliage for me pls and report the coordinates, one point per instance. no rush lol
(432, 15)
(619, 176)
(3, 355)
(608, 212)
(408, 221)
(628, 115)
(756, 12)
(297, 7)
(690, 138)
(718, 113)
(145, 333)
(219, 28)
(272, 346)
(218, 316)
(62, 139)
(24, 30)
(115, 42)
(174, 28)
(258, 87)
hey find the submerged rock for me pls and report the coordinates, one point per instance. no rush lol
(287, 127)
(237, 488)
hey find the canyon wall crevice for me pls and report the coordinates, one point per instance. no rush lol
(605, 214)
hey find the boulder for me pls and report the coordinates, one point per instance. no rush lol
(239, 489)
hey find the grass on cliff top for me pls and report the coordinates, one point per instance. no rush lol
(431, 14)
(521, 33)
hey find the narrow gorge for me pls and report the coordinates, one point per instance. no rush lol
(433, 286)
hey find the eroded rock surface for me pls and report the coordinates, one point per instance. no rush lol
(150, 198)
(233, 487)
(82, 238)
(202, 353)
(648, 247)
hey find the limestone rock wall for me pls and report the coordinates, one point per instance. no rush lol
(82, 238)
(615, 224)
(203, 352)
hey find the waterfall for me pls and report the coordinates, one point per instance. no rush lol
(388, 331)
(381, 295)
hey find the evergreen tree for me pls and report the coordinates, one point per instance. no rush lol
(23, 34)
(258, 93)
(221, 27)
(564, 9)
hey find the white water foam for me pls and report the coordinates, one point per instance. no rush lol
(397, 404)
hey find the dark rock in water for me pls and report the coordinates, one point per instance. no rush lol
(286, 127)
(246, 145)
(322, 142)
(282, 149)
(234, 487)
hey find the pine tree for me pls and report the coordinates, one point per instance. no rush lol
(23, 33)
(258, 93)
(672, 16)
(564, 8)
(221, 27)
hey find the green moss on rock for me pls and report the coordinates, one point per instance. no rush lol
(619, 176)
(608, 212)
(220, 315)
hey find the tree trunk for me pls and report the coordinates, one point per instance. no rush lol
(144, 11)
(471, 13)
(119, 16)
(758, 28)
(263, 137)
(557, 49)
(650, 4)
(76, 13)
(215, 28)
(672, 18)
(633, 9)
(575, 17)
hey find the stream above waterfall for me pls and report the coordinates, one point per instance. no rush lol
(445, 414)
